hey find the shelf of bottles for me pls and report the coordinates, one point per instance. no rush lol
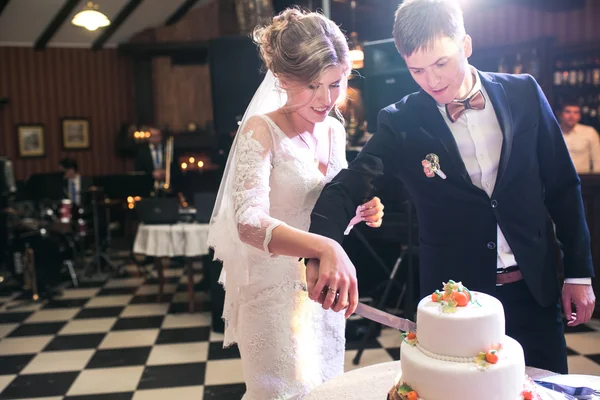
(576, 78)
(526, 61)
(520, 63)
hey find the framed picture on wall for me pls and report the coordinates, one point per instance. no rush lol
(75, 133)
(31, 140)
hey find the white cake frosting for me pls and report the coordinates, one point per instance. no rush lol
(435, 379)
(447, 359)
(464, 333)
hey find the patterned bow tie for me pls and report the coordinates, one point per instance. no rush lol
(456, 108)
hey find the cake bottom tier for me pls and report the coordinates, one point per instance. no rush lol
(435, 379)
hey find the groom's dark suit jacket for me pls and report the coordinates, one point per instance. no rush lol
(536, 185)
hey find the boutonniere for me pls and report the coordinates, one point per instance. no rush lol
(431, 166)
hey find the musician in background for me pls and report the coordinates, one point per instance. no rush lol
(582, 141)
(151, 158)
(74, 184)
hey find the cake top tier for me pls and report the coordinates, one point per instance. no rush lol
(459, 323)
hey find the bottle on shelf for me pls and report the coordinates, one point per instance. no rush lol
(565, 72)
(589, 71)
(502, 66)
(596, 72)
(558, 65)
(518, 69)
(584, 104)
(534, 65)
(573, 72)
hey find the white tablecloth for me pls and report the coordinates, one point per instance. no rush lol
(373, 383)
(187, 240)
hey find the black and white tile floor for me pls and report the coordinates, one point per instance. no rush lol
(111, 340)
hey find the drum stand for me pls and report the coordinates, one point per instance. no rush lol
(29, 274)
(99, 255)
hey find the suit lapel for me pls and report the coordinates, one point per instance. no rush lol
(433, 124)
(499, 100)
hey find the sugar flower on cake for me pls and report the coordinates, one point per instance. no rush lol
(452, 296)
(485, 359)
(410, 338)
(529, 392)
(405, 392)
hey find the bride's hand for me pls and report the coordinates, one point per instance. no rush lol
(336, 274)
(371, 212)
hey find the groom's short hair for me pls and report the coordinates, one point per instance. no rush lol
(418, 23)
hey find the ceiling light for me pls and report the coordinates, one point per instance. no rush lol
(90, 18)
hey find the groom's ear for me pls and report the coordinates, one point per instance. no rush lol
(468, 46)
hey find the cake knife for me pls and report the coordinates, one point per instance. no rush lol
(384, 318)
(374, 314)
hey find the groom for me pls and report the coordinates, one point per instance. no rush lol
(487, 209)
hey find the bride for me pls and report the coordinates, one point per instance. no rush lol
(286, 150)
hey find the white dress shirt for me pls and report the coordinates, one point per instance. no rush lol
(478, 136)
(157, 156)
(77, 182)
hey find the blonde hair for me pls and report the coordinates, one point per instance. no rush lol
(299, 45)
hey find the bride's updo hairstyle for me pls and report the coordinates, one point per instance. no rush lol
(298, 46)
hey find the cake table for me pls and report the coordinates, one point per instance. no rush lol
(374, 382)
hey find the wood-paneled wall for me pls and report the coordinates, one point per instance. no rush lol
(182, 93)
(45, 86)
(511, 24)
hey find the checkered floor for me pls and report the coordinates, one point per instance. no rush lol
(111, 340)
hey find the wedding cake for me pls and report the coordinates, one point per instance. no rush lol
(460, 351)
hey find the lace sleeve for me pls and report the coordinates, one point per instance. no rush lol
(251, 185)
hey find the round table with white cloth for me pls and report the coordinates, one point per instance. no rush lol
(177, 240)
(375, 381)
(187, 240)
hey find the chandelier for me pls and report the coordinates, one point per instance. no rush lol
(90, 18)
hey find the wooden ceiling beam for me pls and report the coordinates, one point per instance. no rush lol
(180, 12)
(3, 4)
(55, 24)
(121, 17)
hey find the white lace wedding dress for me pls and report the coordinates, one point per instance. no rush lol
(287, 342)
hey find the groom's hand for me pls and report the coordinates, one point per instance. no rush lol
(312, 275)
(582, 296)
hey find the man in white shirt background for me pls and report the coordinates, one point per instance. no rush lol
(582, 141)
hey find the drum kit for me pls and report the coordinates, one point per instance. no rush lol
(50, 240)
(47, 240)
